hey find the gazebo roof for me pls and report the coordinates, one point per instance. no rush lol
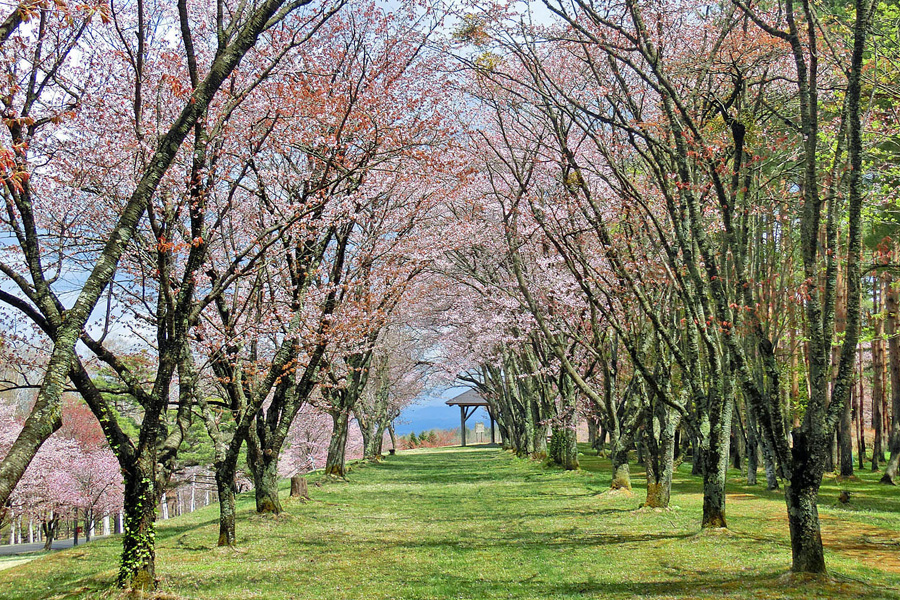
(468, 398)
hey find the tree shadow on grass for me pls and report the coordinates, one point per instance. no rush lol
(171, 531)
(520, 541)
(457, 469)
(770, 585)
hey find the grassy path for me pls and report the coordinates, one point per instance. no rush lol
(479, 523)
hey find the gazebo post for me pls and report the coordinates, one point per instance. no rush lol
(468, 403)
(462, 424)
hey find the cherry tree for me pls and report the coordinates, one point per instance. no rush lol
(73, 474)
(397, 377)
(337, 155)
(307, 442)
(133, 143)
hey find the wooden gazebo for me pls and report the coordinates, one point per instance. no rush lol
(468, 402)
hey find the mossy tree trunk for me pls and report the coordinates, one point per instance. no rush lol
(378, 443)
(696, 455)
(715, 461)
(262, 460)
(527, 447)
(752, 448)
(393, 435)
(299, 487)
(539, 416)
(621, 479)
(265, 481)
(845, 440)
(225, 489)
(621, 435)
(369, 431)
(138, 567)
(335, 463)
(569, 421)
(660, 444)
(892, 469)
(878, 378)
(801, 495)
(769, 466)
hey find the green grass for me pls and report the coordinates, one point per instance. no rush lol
(480, 523)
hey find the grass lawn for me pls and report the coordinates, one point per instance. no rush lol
(480, 523)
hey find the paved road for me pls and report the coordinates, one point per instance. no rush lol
(17, 549)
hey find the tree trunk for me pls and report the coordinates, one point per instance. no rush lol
(49, 529)
(299, 487)
(738, 441)
(845, 438)
(878, 392)
(556, 450)
(539, 451)
(335, 463)
(639, 447)
(834, 457)
(893, 465)
(366, 430)
(505, 437)
(393, 435)
(528, 433)
(769, 465)
(379, 440)
(715, 463)
(225, 488)
(714, 489)
(592, 430)
(696, 456)
(660, 459)
(752, 448)
(801, 495)
(370, 440)
(138, 567)
(600, 441)
(265, 482)
(858, 414)
(570, 457)
(564, 443)
(621, 471)
(570, 433)
(796, 350)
